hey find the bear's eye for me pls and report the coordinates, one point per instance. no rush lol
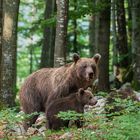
(90, 97)
(84, 66)
(94, 68)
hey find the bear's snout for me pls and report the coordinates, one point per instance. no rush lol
(91, 75)
(93, 101)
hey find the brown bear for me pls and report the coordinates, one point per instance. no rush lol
(60, 82)
(73, 102)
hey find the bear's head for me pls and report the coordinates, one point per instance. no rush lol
(85, 97)
(86, 68)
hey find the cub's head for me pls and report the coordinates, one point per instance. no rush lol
(87, 68)
(85, 97)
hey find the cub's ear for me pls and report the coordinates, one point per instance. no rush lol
(76, 57)
(81, 91)
(97, 58)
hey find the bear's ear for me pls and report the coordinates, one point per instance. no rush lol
(97, 58)
(76, 57)
(81, 91)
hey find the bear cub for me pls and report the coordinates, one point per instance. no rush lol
(73, 102)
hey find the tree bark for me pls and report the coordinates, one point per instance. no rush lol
(75, 50)
(114, 33)
(97, 23)
(61, 32)
(92, 33)
(129, 22)
(1, 1)
(122, 35)
(47, 55)
(9, 45)
(103, 45)
(136, 41)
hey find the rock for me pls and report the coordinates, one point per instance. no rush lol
(42, 130)
(19, 129)
(137, 95)
(41, 120)
(98, 108)
(66, 136)
(32, 131)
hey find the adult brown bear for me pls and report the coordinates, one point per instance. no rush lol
(60, 82)
(73, 102)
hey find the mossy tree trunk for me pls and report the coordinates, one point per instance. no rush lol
(61, 32)
(47, 55)
(103, 44)
(136, 41)
(9, 49)
(92, 33)
(1, 1)
(114, 32)
(75, 49)
(122, 45)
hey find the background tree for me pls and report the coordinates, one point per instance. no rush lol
(8, 65)
(136, 41)
(122, 35)
(114, 32)
(129, 22)
(61, 32)
(0, 36)
(103, 39)
(47, 55)
(75, 49)
(92, 32)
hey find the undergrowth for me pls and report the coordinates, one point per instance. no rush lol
(123, 126)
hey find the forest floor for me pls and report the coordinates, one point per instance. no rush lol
(98, 125)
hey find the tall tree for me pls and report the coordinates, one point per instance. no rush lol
(97, 23)
(92, 32)
(114, 32)
(136, 41)
(103, 40)
(8, 65)
(0, 36)
(129, 21)
(61, 32)
(75, 49)
(47, 55)
(122, 34)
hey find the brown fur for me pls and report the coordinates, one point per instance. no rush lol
(73, 102)
(60, 82)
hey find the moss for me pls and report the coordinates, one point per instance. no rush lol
(136, 85)
(2, 105)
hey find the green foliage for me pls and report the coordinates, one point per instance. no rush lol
(69, 115)
(98, 126)
(102, 94)
(11, 116)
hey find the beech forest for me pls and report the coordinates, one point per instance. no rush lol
(70, 69)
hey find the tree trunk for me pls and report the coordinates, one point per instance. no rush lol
(129, 21)
(136, 41)
(97, 23)
(114, 33)
(1, 1)
(75, 50)
(47, 55)
(9, 45)
(103, 45)
(61, 32)
(122, 35)
(31, 58)
(92, 33)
